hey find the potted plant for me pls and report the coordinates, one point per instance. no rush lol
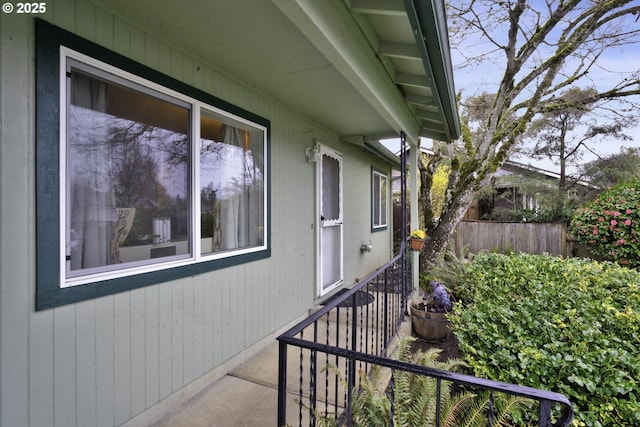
(418, 238)
(429, 316)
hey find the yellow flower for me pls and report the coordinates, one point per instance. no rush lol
(418, 234)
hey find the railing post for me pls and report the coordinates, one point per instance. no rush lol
(491, 410)
(438, 401)
(545, 413)
(282, 383)
(312, 388)
(385, 309)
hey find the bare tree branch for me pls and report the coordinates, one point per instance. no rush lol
(538, 51)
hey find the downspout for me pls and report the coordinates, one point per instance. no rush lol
(414, 155)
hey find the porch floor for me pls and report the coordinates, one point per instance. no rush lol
(246, 396)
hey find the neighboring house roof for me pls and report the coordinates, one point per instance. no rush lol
(512, 173)
(365, 69)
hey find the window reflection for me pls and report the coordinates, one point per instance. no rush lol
(231, 184)
(127, 166)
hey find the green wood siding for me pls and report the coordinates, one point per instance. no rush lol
(106, 360)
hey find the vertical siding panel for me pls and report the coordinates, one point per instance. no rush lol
(121, 37)
(266, 320)
(198, 327)
(105, 361)
(151, 52)
(104, 29)
(64, 361)
(86, 20)
(237, 330)
(207, 80)
(64, 13)
(122, 357)
(15, 211)
(40, 369)
(164, 340)
(176, 64)
(188, 331)
(138, 347)
(86, 363)
(250, 310)
(240, 293)
(177, 330)
(207, 307)
(217, 305)
(187, 70)
(227, 317)
(152, 346)
(198, 75)
(136, 45)
(164, 58)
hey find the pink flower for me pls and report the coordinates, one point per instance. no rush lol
(616, 214)
(595, 230)
(614, 222)
(621, 242)
(627, 222)
(629, 211)
(624, 261)
(600, 219)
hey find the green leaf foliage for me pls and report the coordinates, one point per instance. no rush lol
(610, 225)
(412, 402)
(566, 325)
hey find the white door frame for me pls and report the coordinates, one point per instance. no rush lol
(329, 230)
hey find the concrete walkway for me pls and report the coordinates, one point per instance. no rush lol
(245, 397)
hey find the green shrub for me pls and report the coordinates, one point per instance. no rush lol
(570, 326)
(610, 225)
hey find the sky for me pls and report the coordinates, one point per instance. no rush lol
(475, 80)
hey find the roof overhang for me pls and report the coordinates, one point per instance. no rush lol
(364, 69)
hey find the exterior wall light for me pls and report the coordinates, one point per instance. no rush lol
(313, 154)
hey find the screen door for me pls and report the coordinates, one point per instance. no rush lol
(330, 221)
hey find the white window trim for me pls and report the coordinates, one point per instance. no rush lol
(117, 74)
(376, 193)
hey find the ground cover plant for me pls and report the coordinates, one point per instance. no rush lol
(566, 325)
(411, 401)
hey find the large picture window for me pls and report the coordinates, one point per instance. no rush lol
(155, 179)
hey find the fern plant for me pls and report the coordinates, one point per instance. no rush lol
(414, 398)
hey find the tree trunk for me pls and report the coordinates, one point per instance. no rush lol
(441, 235)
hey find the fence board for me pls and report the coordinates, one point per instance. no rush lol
(533, 238)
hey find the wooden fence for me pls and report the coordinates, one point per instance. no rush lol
(533, 238)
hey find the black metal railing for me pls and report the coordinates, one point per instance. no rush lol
(362, 321)
(323, 358)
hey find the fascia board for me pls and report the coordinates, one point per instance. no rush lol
(430, 29)
(332, 29)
